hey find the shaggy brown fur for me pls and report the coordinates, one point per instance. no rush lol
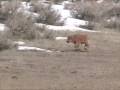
(78, 39)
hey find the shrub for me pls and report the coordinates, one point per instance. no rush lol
(21, 26)
(110, 17)
(109, 10)
(4, 42)
(113, 23)
(86, 11)
(4, 45)
(8, 8)
(49, 34)
(46, 14)
(98, 13)
(45, 33)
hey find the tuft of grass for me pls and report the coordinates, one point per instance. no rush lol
(4, 42)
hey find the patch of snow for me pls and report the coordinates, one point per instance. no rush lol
(61, 38)
(64, 28)
(25, 5)
(28, 13)
(109, 20)
(65, 14)
(19, 43)
(25, 9)
(66, 2)
(75, 22)
(57, 7)
(100, 1)
(67, 17)
(60, 9)
(3, 3)
(3, 27)
(22, 48)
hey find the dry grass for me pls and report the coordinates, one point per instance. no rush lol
(5, 43)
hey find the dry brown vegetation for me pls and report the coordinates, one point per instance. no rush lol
(46, 14)
(21, 26)
(8, 8)
(105, 14)
(4, 42)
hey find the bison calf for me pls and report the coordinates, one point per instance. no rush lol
(78, 39)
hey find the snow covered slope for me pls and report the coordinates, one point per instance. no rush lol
(67, 17)
(64, 28)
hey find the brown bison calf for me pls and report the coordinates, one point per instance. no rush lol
(78, 39)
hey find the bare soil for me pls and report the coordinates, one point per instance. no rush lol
(97, 69)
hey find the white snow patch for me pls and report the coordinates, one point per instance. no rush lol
(109, 20)
(75, 22)
(28, 13)
(24, 48)
(19, 43)
(2, 27)
(3, 3)
(64, 28)
(25, 5)
(67, 17)
(60, 9)
(57, 7)
(100, 1)
(25, 9)
(66, 2)
(61, 38)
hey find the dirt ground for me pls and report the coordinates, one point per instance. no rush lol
(97, 69)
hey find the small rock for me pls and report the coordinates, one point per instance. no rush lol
(74, 72)
(14, 77)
